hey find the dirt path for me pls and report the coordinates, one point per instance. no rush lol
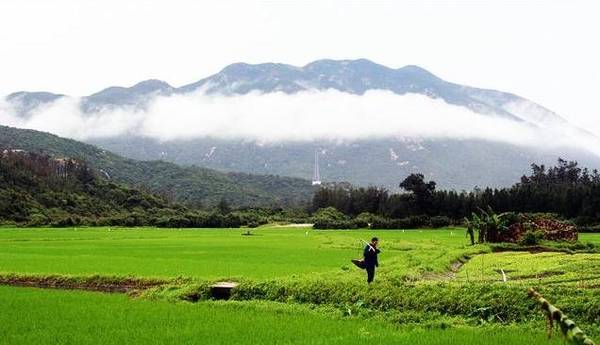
(102, 284)
(450, 274)
(295, 225)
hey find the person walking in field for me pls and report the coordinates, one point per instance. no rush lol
(370, 258)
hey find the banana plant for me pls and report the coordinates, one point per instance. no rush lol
(488, 224)
(470, 230)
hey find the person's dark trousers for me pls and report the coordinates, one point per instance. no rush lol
(370, 273)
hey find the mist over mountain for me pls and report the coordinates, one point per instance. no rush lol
(372, 124)
(349, 76)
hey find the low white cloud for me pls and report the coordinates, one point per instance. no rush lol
(279, 117)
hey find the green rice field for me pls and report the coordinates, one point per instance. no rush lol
(34, 316)
(297, 286)
(214, 254)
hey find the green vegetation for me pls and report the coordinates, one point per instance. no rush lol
(589, 238)
(294, 285)
(192, 186)
(565, 189)
(546, 268)
(298, 275)
(273, 252)
(331, 218)
(39, 190)
(32, 316)
(525, 229)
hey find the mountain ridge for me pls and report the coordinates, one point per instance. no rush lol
(351, 76)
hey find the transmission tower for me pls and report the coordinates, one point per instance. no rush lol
(316, 181)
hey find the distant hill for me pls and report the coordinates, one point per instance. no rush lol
(189, 185)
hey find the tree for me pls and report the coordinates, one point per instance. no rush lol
(223, 207)
(422, 191)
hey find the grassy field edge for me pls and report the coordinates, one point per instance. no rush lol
(498, 303)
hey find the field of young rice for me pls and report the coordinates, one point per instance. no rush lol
(224, 254)
(35, 316)
(297, 286)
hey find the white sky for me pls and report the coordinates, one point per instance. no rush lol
(547, 51)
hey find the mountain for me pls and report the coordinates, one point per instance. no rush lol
(350, 76)
(453, 163)
(136, 96)
(25, 102)
(359, 76)
(190, 185)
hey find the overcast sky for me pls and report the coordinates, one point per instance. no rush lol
(547, 51)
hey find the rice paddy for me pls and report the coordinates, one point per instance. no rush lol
(333, 307)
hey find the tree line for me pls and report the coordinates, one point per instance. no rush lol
(36, 189)
(566, 189)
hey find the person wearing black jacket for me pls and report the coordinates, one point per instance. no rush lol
(370, 258)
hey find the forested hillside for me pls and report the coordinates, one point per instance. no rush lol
(192, 186)
(37, 190)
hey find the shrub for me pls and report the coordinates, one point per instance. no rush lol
(173, 222)
(439, 221)
(505, 302)
(367, 217)
(213, 220)
(585, 221)
(412, 222)
(38, 219)
(67, 222)
(329, 213)
(253, 224)
(231, 221)
(340, 224)
(590, 229)
(197, 220)
(531, 238)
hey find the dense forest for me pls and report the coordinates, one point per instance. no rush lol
(192, 186)
(37, 189)
(565, 189)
